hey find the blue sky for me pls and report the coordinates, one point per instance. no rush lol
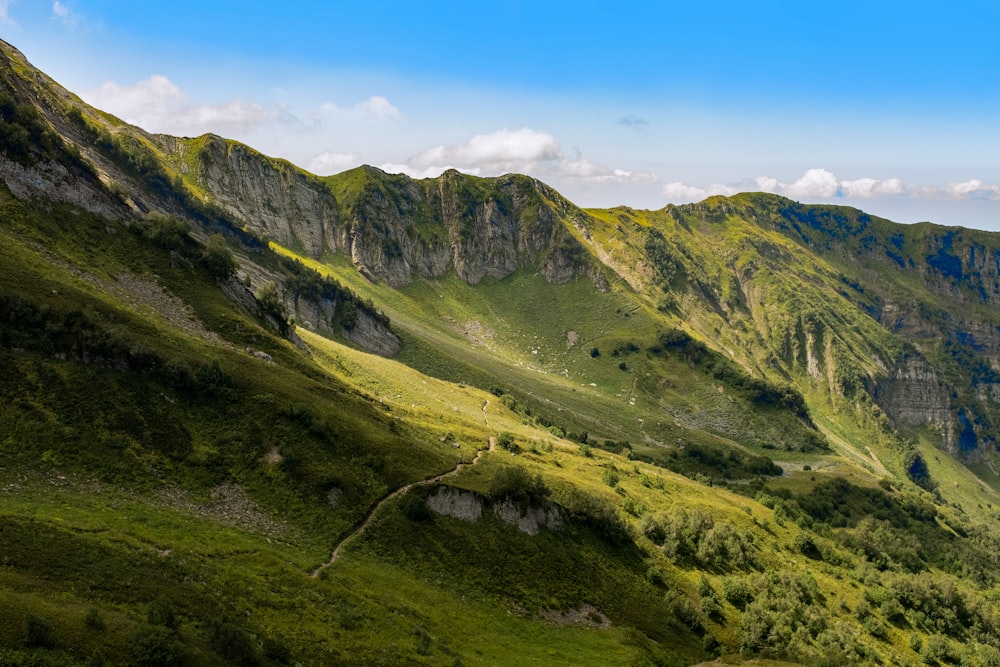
(888, 106)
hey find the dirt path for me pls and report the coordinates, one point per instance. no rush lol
(335, 554)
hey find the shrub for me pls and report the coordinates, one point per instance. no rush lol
(166, 231)
(38, 632)
(506, 441)
(271, 305)
(156, 646)
(276, 651)
(805, 545)
(516, 483)
(161, 612)
(737, 591)
(596, 512)
(94, 621)
(217, 258)
(234, 643)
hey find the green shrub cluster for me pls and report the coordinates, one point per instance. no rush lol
(76, 335)
(516, 483)
(693, 538)
(23, 131)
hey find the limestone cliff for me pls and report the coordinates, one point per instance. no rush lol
(272, 197)
(393, 228)
(396, 228)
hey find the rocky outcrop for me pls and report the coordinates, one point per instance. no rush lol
(371, 335)
(468, 506)
(392, 228)
(397, 229)
(913, 395)
(458, 504)
(528, 519)
(273, 197)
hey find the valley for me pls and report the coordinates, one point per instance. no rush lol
(253, 416)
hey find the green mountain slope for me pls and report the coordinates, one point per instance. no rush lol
(744, 427)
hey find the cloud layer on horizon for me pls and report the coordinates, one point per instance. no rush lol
(159, 105)
(824, 184)
(524, 151)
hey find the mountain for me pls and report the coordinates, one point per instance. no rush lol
(254, 416)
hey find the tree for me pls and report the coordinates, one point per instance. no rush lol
(271, 305)
(217, 258)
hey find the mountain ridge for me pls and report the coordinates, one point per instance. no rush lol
(753, 448)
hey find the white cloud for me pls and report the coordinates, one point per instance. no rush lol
(523, 151)
(375, 107)
(868, 188)
(430, 172)
(158, 105)
(766, 184)
(814, 183)
(682, 193)
(5, 18)
(973, 189)
(502, 151)
(581, 169)
(823, 184)
(379, 107)
(63, 14)
(328, 163)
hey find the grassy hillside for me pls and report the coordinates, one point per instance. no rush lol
(656, 439)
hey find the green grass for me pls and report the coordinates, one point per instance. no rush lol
(150, 468)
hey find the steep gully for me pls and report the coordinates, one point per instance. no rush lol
(434, 479)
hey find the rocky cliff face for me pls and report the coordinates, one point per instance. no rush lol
(913, 395)
(392, 228)
(273, 197)
(477, 227)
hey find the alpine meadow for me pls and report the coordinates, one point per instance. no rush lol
(254, 416)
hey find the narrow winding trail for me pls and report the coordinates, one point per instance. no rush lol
(434, 479)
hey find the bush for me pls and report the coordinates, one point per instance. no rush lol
(217, 258)
(38, 632)
(94, 621)
(506, 441)
(276, 651)
(234, 643)
(161, 612)
(271, 305)
(516, 483)
(596, 512)
(737, 591)
(805, 545)
(156, 646)
(165, 231)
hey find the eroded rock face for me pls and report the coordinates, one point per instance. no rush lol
(372, 336)
(277, 200)
(50, 180)
(393, 229)
(468, 506)
(461, 505)
(528, 519)
(398, 230)
(321, 316)
(914, 395)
